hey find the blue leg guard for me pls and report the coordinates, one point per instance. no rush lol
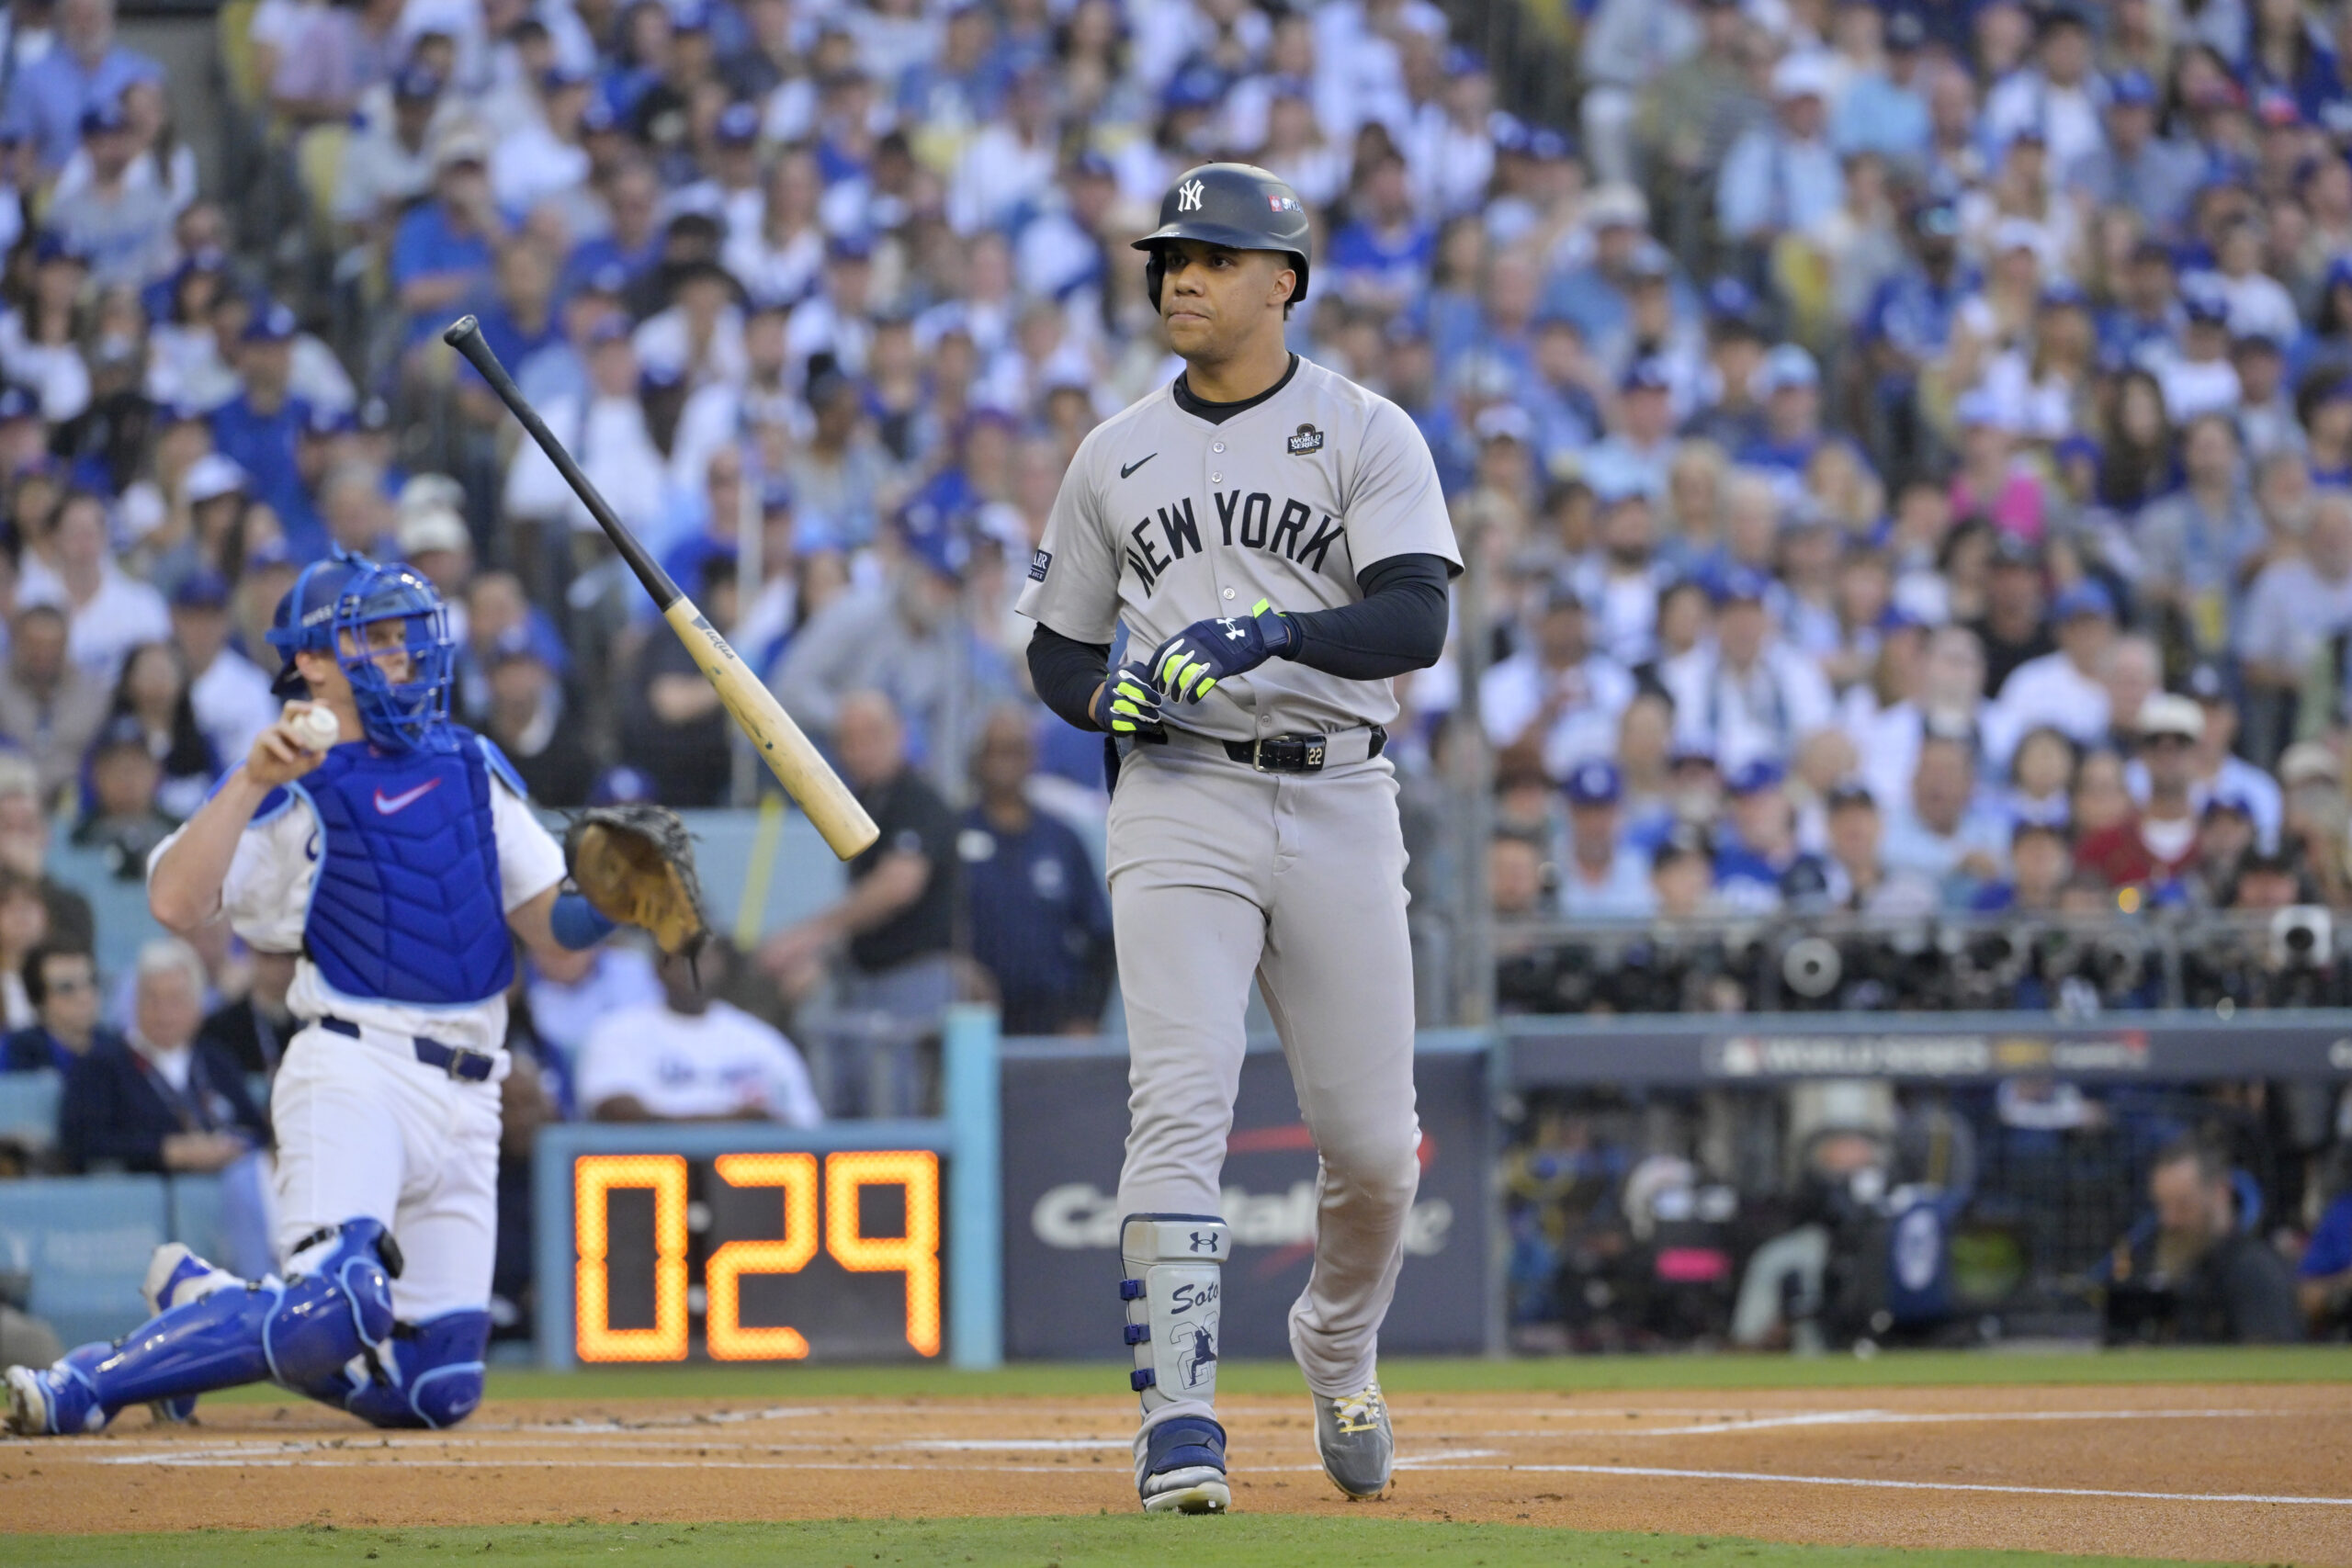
(305, 1333)
(437, 1374)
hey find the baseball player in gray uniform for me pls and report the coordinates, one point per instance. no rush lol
(1274, 534)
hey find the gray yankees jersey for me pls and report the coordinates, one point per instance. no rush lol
(1166, 518)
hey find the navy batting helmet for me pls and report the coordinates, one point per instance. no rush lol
(1239, 206)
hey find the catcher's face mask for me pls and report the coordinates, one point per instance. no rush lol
(387, 630)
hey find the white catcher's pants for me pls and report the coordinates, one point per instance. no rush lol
(1219, 873)
(363, 1128)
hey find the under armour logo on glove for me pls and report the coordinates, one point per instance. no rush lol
(1188, 666)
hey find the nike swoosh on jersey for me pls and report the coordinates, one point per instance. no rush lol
(387, 805)
(1138, 463)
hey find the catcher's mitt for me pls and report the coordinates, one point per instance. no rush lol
(635, 863)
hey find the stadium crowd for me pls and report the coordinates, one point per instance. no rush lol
(1906, 447)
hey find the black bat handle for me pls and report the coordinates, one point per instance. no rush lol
(464, 335)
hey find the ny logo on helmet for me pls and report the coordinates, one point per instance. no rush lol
(1188, 197)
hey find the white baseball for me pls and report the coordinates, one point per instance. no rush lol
(317, 729)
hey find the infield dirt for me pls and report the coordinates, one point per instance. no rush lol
(2259, 1473)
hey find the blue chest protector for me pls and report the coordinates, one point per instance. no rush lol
(408, 906)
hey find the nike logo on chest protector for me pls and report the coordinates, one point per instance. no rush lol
(386, 805)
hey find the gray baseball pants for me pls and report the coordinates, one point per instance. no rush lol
(1218, 873)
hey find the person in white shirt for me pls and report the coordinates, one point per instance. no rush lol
(2061, 690)
(1605, 878)
(109, 612)
(2061, 97)
(693, 1058)
(606, 435)
(2216, 773)
(1558, 695)
(1747, 694)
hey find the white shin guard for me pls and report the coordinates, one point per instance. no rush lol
(1172, 1293)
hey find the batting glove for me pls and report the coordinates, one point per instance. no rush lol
(1127, 706)
(1188, 666)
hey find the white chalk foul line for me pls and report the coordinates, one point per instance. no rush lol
(1661, 1472)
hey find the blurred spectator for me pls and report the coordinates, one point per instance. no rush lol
(253, 1029)
(894, 924)
(121, 818)
(50, 706)
(227, 691)
(24, 849)
(1941, 832)
(1750, 694)
(443, 250)
(693, 1058)
(2156, 843)
(2061, 690)
(2039, 864)
(1559, 696)
(1035, 908)
(1682, 878)
(672, 724)
(2324, 1277)
(1859, 876)
(1606, 878)
(526, 718)
(904, 636)
(2197, 1275)
(1516, 874)
(84, 66)
(23, 925)
(154, 691)
(72, 566)
(61, 981)
(159, 1100)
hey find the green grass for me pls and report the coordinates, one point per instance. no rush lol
(1238, 1541)
(1566, 1374)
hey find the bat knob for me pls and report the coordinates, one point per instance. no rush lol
(460, 329)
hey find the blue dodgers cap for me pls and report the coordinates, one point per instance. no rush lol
(203, 589)
(420, 83)
(1199, 85)
(2131, 89)
(738, 125)
(1742, 584)
(2085, 598)
(326, 422)
(2204, 303)
(272, 324)
(103, 118)
(1595, 784)
(2231, 801)
(775, 496)
(620, 786)
(17, 403)
(1756, 774)
(1788, 365)
(52, 245)
(560, 78)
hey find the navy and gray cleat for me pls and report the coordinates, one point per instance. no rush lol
(1353, 1439)
(1180, 1467)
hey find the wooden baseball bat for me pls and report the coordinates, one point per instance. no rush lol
(787, 752)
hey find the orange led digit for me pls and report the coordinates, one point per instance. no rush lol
(722, 1327)
(594, 1177)
(916, 1254)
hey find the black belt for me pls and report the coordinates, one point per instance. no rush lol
(1295, 753)
(458, 1061)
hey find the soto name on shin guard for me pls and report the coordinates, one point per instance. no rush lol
(1174, 1264)
(1173, 1292)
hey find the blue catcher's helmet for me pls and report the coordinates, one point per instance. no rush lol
(357, 612)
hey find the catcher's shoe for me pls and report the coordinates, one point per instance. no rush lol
(1180, 1467)
(54, 1401)
(1353, 1439)
(176, 1275)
